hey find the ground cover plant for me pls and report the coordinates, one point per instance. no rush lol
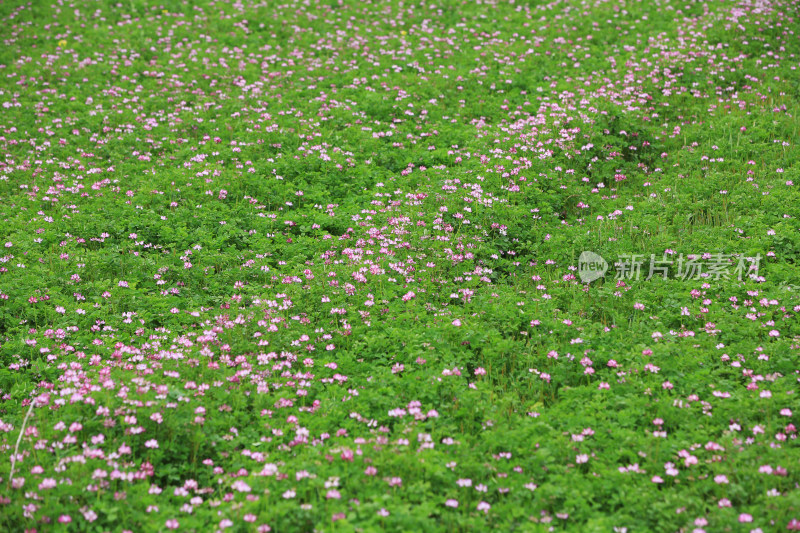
(317, 265)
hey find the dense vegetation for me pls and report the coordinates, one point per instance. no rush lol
(314, 265)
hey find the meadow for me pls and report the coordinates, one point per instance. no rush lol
(320, 265)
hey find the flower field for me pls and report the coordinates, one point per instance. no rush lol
(435, 265)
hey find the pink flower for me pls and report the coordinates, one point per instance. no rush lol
(451, 503)
(483, 506)
(152, 443)
(744, 518)
(456, 322)
(240, 486)
(172, 524)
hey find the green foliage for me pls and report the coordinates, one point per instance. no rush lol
(314, 266)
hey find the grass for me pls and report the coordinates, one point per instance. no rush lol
(314, 266)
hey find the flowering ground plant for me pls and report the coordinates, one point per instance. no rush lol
(392, 266)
